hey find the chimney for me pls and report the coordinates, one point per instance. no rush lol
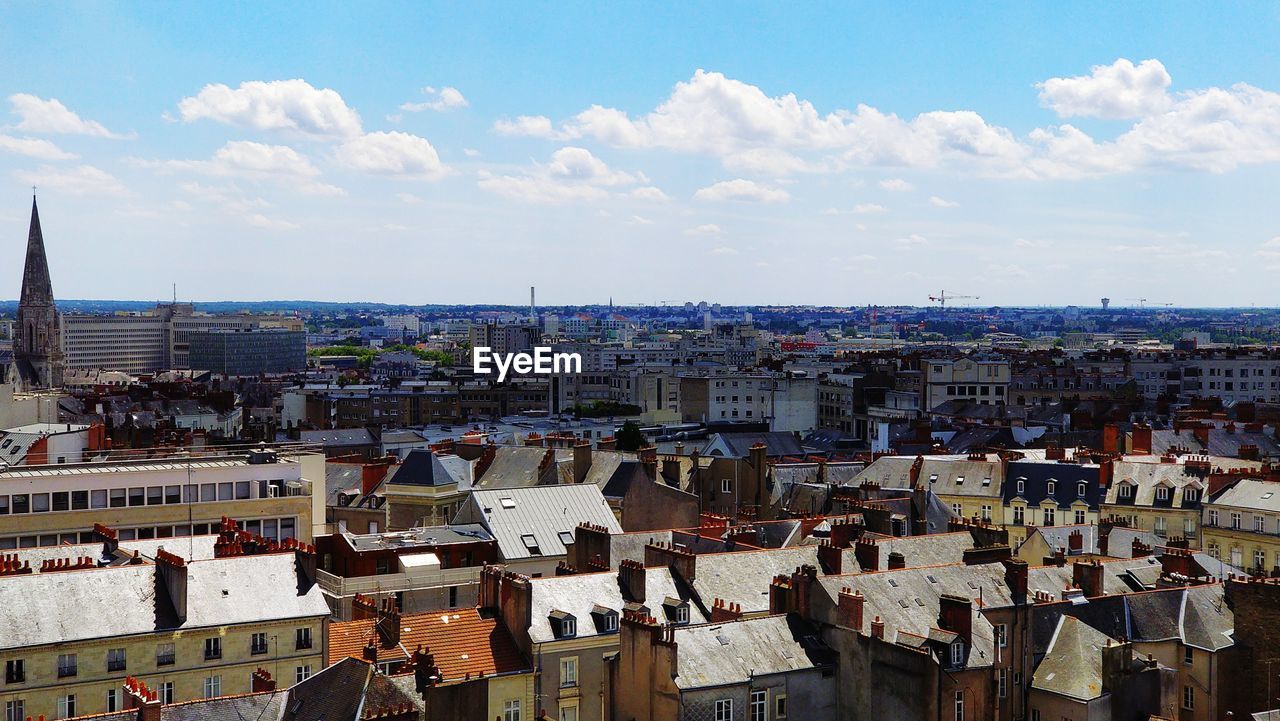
(723, 611)
(867, 551)
(1202, 434)
(877, 628)
(1140, 549)
(591, 546)
(671, 469)
(896, 561)
(844, 531)
(1087, 576)
(1075, 543)
(581, 461)
(371, 474)
(363, 607)
(138, 696)
(1057, 558)
(1177, 561)
(914, 476)
(261, 681)
(830, 558)
(1140, 439)
(680, 560)
(110, 539)
(370, 651)
(1016, 576)
(172, 573)
(955, 614)
(304, 557)
(388, 623)
(631, 575)
(1111, 438)
(849, 609)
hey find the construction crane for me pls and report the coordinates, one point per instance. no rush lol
(941, 298)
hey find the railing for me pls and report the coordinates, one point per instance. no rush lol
(170, 454)
(339, 586)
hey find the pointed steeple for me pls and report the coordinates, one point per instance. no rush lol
(37, 289)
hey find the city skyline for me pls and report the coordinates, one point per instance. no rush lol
(751, 156)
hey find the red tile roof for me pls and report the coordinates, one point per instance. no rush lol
(461, 640)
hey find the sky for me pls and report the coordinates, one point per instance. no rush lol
(744, 153)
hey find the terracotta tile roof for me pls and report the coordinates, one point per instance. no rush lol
(461, 640)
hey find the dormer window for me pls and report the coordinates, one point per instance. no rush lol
(1126, 490)
(677, 611)
(1051, 488)
(933, 477)
(1190, 495)
(606, 619)
(1022, 486)
(957, 653)
(564, 624)
(1082, 489)
(1162, 493)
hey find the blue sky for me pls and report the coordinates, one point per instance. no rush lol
(413, 153)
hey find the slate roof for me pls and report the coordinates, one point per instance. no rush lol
(462, 641)
(739, 651)
(422, 467)
(959, 476)
(738, 445)
(339, 438)
(515, 467)
(51, 608)
(888, 471)
(1221, 442)
(191, 548)
(1146, 477)
(543, 512)
(743, 577)
(1251, 494)
(1073, 664)
(579, 594)
(929, 550)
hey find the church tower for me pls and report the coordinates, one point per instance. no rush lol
(37, 336)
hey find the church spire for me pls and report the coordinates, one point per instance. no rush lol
(37, 289)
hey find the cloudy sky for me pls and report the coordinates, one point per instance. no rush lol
(740, 154)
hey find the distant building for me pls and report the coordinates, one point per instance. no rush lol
(37, 348)
(249, 352)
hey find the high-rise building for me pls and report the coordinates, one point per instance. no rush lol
(248, 352)
(37, 345)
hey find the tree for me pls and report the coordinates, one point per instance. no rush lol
(629, 437)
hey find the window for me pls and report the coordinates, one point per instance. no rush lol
(116, 659)
(1126, 490)
(1035, 714)
(1022, 486)
(1235, 519)
(1162, 493)
(1188, 527)
(957, 653)
(1259, 559)
(302, 639)
(1213, 517)
(165, 654)
(1051, 488)
(212, 686)
(113, 700)
(724, 709)
(569, 713)
(1257, 524)
(1050, 517)
(1188, 698)
(1002, 682)
(212, 648)
(1161, 528)
(959, 705)
(1190, 495)
(165, 692)
(759, 704)
(511, 710)
(1188, 655)
(1002, 635)
(1079, 516)
(258, 644)
(15, 711)
(67, 665)
(726, 485)
(1082, 489)
(569, 672)
(453, 597)
(301, 673)
(986, 512)
(531, 544)
(67, 706)
(780, 706)
(957, 509)
(15, 671)
(1018, 515)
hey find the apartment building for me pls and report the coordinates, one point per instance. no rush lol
(977, 379)
(276, 492)
(1241, 525)
(1164, 498)
(193, 629)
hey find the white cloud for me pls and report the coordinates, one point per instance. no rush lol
(573, 174)
(897, 185)
(650, 193)
(392, 153)
(229, 197)
(724, 250)
(394, 227)
(445, 98)
(292, 105)
(942, 202)
(471, 152)
(638, 220)
(256, 161)
(51, 116)
(869, 209)
(409, 199)
(1031, 243)
(33, 148)
(910, 242)
(80, 180)
(741, 189)
(182, 205)
(1008, 271)
(534, 126)
(705, 229)
(1117, 91)
(258, 220)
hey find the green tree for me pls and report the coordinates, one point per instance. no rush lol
(629, 437)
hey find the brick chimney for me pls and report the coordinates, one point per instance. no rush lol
(11, 566)
(722, 611)
(388, 623)
(363, 607)
(1016, 576)
(877, 628)
(1140, 439)
(1075, 543)
(844, 531)
(830, 558)
(591, 545)
(849, 609)
(955, 614)
(581, 461)
(371, 474)
(631, 575)
(986, 554)
(109, 537)
(1177, 561)
(1111, 438)
(171, 571)
(138, 696)
(867, 551)
(914, 473)
(1140, 549)
(1087, 576)
(896, 561)
(262, 682)
(681, 561)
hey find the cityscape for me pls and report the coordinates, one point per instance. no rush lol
(712, 401)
